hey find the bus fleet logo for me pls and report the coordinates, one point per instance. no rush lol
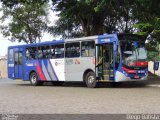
(77, 61)
(57, 63)
(69, 62)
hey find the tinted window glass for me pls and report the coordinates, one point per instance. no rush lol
(59, 51)
(72, 50)
(88, 49)
(31, 53)
(45, 52)
(20, 58)
(16, 58)
(10, 55)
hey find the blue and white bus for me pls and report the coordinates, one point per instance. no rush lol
(93, 59)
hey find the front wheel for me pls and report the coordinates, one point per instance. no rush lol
(34, 79)
(90, 80)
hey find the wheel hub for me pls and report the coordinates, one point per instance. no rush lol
(90, 79)
(34, 79)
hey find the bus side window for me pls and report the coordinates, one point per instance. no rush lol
(43, 52)
(31, 53)
(27, 54)
(59, 51)
(52, 51)
(88, 49)
(39, 53)
(72, 50)
(49, 54)
(16, 58)
(10, 55)
(20, 59)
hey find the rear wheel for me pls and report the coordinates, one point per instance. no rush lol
(90, 80)
(34, 79)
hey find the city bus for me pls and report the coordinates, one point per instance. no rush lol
(111, 58)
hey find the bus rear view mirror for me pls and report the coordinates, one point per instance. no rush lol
(156, 65)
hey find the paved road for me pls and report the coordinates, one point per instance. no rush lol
(19, 97)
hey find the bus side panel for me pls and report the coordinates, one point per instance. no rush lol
(35, 66)
(75, 67)
(29, 66)
(46, 69)
(56, 69)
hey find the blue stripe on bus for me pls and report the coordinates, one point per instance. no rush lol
(53, 70)
(45, 70)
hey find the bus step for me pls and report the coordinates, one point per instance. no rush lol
(104, 81)
(108, 75)
(107, 71)
(105, 77)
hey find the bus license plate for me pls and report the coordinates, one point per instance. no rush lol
(136, 76)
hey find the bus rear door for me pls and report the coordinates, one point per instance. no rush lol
(11, 63)
(18, 63)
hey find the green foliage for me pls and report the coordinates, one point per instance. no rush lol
(12, 3)
(92, 17)
(28, 21)
(149, 24)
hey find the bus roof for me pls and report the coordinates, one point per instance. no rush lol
(120, 36)
(39, 44)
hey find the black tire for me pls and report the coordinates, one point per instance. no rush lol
(34, 79)
(90, 80)
(58, 83)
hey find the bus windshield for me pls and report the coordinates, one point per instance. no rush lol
(133, 54)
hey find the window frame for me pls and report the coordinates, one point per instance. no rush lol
(88, 49)
(72, 56)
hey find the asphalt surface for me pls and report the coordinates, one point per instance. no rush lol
(18, 97)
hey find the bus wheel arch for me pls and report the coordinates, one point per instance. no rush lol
(33, 77)
(89, 78)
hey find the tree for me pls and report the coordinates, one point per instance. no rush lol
(12, 3)
(149, 24)
(81, 13)
(28, 20)
(92, 17)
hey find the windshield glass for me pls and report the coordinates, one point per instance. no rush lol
(133, 53)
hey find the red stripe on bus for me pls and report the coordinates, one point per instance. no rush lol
(40, 73)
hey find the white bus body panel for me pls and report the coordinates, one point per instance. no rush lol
(59, 68)
(75, 67)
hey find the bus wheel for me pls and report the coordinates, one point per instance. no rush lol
(34, 79)
(90, 80)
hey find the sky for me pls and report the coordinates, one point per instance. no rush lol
(4, 42)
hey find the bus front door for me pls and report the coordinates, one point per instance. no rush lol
(18, 64)
(105, 62)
